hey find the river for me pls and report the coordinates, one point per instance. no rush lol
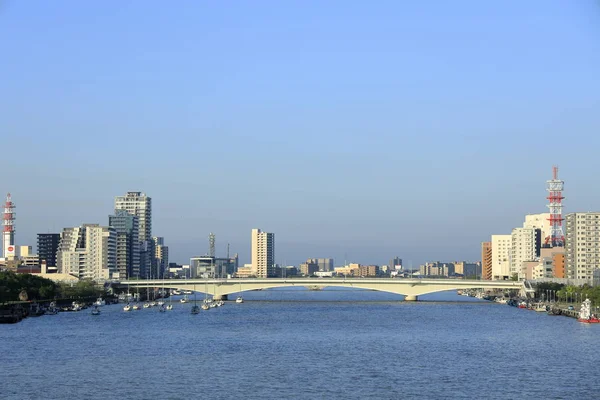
(291, 344)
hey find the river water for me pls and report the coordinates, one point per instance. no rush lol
(291, 344)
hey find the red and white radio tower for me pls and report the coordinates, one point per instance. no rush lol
(8, 231)
(555, 197)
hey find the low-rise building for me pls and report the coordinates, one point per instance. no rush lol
(211, 267)
(368, 270)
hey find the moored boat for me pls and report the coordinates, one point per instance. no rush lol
(585, 313)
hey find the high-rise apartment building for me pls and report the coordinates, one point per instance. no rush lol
(582, 252)
(140, 205)
(126, 226)
(88, 252)
(486, 261)
(47, 244)
(263, 253)
(161, 255)
(501, 249)
(539, 221)
(525, 246)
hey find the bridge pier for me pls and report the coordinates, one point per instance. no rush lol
(411, 298)
(220, 297)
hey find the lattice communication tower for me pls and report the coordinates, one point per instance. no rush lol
(555, 188)
(8, 227)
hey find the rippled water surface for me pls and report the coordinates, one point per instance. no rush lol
(293, 344)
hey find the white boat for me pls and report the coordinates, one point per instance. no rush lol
(136, 306)
(169, 307)
(127, 307)
(99, 302)
(146, 305)
(205, 306)
(175, 292)
(184, 299)
(240, 299)
(96, 311)
(540, 307)
(220, 303)
(160, 302)
(153, 304)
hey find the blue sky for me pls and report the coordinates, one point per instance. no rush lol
(357, 130)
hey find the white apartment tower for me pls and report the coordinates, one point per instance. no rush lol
(140, 205)
(582, 249)
(539, 221)
(263, 253)
(88, 252)
(501, 249)
(525, 244)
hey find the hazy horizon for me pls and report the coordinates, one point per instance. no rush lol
(351, 130)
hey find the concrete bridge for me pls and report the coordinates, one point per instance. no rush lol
(411, 288)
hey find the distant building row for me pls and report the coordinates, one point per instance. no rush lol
(523, 255)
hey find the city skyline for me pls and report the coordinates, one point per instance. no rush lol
(372, 131)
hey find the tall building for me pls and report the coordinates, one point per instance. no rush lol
(126, 226)
(140, 205)
(161, 255)
(582, 252)
(501, 249)
(539, 221)
(263, 253)
(8, 229)
(525, 246)
(486, 261)
(88, 252)
(47, 244)
(395, 262)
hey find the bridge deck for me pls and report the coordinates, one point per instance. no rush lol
(407, 287)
